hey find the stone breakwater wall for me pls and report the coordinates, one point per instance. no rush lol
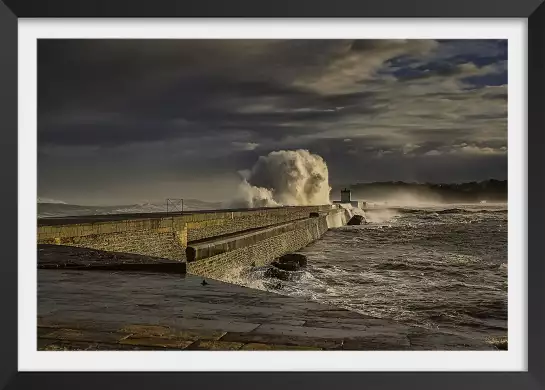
(164, 238)
(167, 236)
(217, 258)
(205, 226)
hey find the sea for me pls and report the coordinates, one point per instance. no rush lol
(441, 267)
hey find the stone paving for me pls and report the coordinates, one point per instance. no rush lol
(75, 258)
(126, 310)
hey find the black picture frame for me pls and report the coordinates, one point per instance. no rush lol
(531, 10)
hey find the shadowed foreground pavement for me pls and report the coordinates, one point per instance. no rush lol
(119, 310)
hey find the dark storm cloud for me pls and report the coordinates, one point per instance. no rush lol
(136, 100)
(169, 111)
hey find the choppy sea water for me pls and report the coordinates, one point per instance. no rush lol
(442, 268)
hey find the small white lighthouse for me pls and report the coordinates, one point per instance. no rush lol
(346, 196)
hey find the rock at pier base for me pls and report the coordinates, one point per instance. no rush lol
(282, 267)
(286, 266)
(297, 258)
(357, 220)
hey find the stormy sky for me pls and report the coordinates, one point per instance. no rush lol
(123, 121)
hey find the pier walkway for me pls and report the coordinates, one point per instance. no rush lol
(119, 310)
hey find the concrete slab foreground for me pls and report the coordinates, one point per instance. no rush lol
(155, 311)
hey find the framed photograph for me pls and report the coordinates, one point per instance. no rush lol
(283, 193)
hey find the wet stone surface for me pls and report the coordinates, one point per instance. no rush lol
(74, 258)
(106, 310)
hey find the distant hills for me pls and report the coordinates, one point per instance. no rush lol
(470, 192)
(46, 208)
(392, 192)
